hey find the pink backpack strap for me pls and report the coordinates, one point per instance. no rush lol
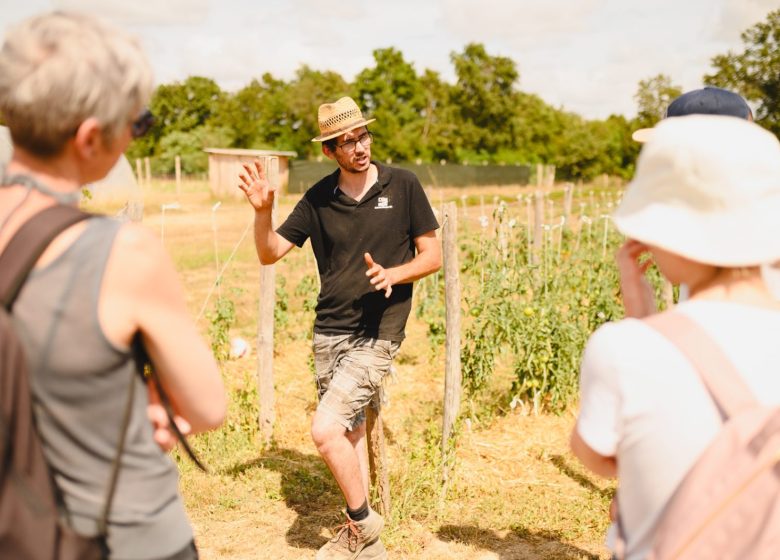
(718, 373)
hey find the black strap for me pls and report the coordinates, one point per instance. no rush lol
(112, 481)
(28, 244)
(146, 368)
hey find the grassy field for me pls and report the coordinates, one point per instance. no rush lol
(515, 491)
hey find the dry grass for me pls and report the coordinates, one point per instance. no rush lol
(515, 491)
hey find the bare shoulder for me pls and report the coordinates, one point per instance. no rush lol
(139, 257)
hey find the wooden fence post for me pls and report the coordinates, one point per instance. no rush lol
(377, 459)
(568, 195)
(265, 330)
(452, 370)
(538, 225)
(178, 177)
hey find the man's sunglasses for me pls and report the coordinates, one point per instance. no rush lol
(142, 124)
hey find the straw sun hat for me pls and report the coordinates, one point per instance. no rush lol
(339, 118)
(707, 188)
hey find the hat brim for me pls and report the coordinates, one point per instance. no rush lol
(642, 135)
(353, 126)
(733, 237)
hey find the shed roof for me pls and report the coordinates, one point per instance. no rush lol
(240, 152)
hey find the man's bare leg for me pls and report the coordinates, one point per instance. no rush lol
(342, 458)
(357, 438)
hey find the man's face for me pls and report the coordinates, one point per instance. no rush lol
(352, 151)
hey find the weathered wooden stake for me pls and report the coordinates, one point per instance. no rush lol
(138, 171)
(568, 195)
(178, 177)
(377, 459)
(452, 371)
(538, 225)
(265, 330)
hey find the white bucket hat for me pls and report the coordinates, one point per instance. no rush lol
(707, 188)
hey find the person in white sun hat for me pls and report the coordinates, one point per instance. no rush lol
(709, 100)
(704, 207)
(372, 231)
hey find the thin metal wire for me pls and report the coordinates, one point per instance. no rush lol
(224, 267)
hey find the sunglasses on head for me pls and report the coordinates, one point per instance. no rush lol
(142, 124)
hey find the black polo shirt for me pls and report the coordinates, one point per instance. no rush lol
(384, 223)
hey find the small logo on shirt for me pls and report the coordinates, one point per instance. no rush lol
(382, 203)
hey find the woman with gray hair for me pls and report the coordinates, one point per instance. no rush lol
(72, 93)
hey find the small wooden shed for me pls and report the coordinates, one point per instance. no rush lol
(225, 165)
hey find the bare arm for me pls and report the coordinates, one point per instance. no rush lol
(425, 262)
(599, 464)
(260, 193)
(143, 294)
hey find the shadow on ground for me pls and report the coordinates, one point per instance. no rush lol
(307, 488)
(518, 544)
(566, 469)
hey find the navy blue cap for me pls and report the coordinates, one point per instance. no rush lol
(709, 100)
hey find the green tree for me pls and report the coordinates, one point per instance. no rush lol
(391, 92)
(178, 107)
(652, 98)
(305, 94)
(486, 97)
(755, 72)
(440, 136)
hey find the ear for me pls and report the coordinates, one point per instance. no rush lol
(88, 138)
(326, 151)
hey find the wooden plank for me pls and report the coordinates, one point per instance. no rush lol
(265, 335)
(379, 474)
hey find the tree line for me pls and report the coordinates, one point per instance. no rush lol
(482, 117)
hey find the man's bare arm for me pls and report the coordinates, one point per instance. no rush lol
(426, 261)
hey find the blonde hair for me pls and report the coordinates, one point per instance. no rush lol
(61, 68)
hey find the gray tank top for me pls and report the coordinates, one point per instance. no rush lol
(80, 385)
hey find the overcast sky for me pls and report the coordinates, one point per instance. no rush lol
(586, 56)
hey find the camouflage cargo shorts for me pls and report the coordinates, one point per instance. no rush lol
(349, 371)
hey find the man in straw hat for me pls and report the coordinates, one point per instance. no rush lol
(372, 231)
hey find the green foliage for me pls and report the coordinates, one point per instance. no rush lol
(482, 118)
(189, 147)
(653, 97)
(536, 313)
(281, 316)
(308, 290)
(393, 94)
(755, 72)
(221, 319)
(430, 307)
(485, 98)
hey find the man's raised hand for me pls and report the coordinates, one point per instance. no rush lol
(256, 187)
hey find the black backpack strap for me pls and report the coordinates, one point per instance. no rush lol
(114, 477)
(146, 368)
(28, 244)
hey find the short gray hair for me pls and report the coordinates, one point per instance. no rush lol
(61, 68)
